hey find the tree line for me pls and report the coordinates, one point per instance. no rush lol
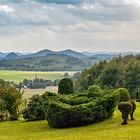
(119, 72)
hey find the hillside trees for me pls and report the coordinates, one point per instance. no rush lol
(111, 76)
(117, 73)
(132, 77)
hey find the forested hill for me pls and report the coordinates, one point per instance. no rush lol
(50, 62)
(46, 60)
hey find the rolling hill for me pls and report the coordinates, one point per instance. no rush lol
(51, 62)
(48, 60)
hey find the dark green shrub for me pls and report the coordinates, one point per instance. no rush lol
(125, 108)
(95, 91)
(134, 108)
(65, 115)
(109, 102)
(124, 94)
(66, 86)
(35, 108)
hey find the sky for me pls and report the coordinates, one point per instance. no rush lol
(82, 25)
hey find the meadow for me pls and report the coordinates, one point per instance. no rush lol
(39, 130)
(19, 76)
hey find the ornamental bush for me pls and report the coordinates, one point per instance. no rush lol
(94, 91)
(127, 108)
(61, 115)
(124, 94)
(134, 108)
(71, 100)
(66, 86)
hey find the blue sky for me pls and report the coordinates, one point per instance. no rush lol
(83, 25)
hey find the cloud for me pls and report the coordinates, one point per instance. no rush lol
(6, 8)
(71, 18)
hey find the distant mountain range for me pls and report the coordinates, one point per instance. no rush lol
(48, 60)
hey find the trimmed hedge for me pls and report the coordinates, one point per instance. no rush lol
(95, 91)
(124, 94)
(125, 108)
(75, 101)
(61, 115)
(65, 86)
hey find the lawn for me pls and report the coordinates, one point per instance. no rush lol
(108, 130)
(19, 76)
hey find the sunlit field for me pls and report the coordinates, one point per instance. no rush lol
(30, 92)
(19, 76)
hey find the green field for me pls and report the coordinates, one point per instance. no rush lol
(19, 76)
(108, 130)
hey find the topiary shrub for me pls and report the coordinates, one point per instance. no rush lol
(66, 86)
(134, 108)
(124, 94)
(75, 101)
(94, 91)
(127, 108)
(60, 115)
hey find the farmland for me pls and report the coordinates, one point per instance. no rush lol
(19, 76)
(30, 92)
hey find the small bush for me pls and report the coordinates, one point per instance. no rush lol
(66, 86)
(124, 94)
(95, 91)
(34, 110)
(10, 99)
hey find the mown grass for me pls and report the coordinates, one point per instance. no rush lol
(108, 130)
(19, 76)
